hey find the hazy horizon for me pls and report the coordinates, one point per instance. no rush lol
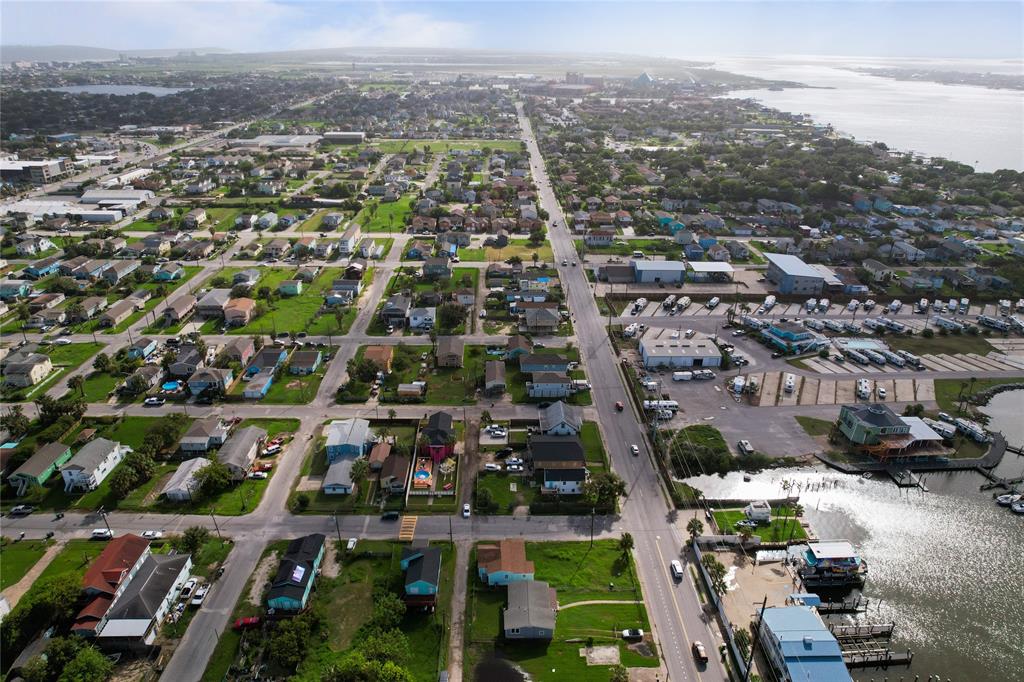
(685, 30)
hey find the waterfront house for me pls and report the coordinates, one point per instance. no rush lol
(799, 647)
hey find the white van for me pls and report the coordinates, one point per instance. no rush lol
(790, 384)
(677, 569)
(638, 254)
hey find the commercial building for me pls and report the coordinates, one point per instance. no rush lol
(665, 347)
(37, 172)
(800, 647)
(793, 276)
(344, 136)
(656, 271)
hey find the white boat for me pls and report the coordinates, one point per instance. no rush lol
(1017, 507)
(867, 474)
(1008, 499)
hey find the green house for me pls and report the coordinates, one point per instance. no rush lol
(39, 467)
(290, 287)
(296, 574)
(870, 424)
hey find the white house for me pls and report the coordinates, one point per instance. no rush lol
(759, 511)
(183, 484)
(93, 463)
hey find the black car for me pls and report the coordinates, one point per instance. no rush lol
(300, 335)
(504, 452)
(544, 405)
(389, 516)
(777, 354)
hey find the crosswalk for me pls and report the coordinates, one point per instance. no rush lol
(407, 530)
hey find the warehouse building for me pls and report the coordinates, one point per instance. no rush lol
(655, 271)
(793, 276)
(664, 347)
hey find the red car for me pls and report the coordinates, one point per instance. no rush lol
(247, 623)
(619, 406)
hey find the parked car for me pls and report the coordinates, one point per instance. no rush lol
(515, 468)
(200, 595)
(745, 447)
(492, 467)
(504, 452)
(153, 401)
(152, 534)
(22, 510)
(633, 633)
(389, 516)
(101, 534)
(63, 341)
(247, 623)
(188, 589)
(259, 475)
(513, 460)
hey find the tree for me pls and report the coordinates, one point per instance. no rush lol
(534, 257)
(695, 527)
(15, 421)
(122, 482)
(291, 637)
(716, 571)
(626, 543)
(360, 468)
(485, 417)
(77, 383)
(392, 414)
(388, 610)
(301, 502)
(450, 315)
(603, 489)
(135, 385)
(742, 637)
(50, 410)
(52, 600)
(484, 499)
(618, 673)
(386, 645)
(363, 370)
(194, 538)
(101, 363)
(89, 665)
(213, 478)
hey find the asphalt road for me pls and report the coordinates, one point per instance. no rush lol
(673, 607)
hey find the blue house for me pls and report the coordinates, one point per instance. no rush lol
(706, 241)
(791, 337)
(538, 362)
(693, 252)
(14, 288)
(882, 204)
(305, 361)
(674, 226)
(291, 587)
(43, 267)
(503, 563)
(142, 348)
(799, 646)
(169, 273)
(258, 385)
(267, 358)
(347, 438)
(422, 566)
(418, 251)
(209, 377)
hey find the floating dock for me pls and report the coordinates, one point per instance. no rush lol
(905, 478)
(867, 645)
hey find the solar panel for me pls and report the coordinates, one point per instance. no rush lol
(298, 573)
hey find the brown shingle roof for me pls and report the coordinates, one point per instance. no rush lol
(507, 555)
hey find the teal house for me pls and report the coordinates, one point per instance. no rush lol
(503, 563)
(290, 287)
(422, 566)
(39, 467)
(296, 574)
(870, 424)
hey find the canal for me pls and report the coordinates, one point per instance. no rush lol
(947, 566)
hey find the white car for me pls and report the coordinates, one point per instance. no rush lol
(63, 341)
(492, 467)
(101, 534)
(635, 450)
(881, 393)
(258, 475)
(513, 460)
(465, 510)
(152, 534)
(200, 595)
(515, 468)
(188, 589)
(677, 569)
(745, 447)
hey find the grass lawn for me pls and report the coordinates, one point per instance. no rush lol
(661, 247)
(500, 485)
(593, 446)
(18, 557)
(291, 389)
(814, 426)
(209, 557)
(145, 226)
(779, 530)
(98, 385)
(948, 390)
(951, 344)
(516, 247)
(578, 573)
(444, 146)
(272, 426)
(292, 313)
(445, 385)
(387, 217)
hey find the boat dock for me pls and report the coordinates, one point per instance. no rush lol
(1007, 483)
(858, 605)
(867, 645)
(904, 478)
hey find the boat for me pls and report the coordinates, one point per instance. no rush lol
(1008, 499)
(1017, 507)
(746, 477)
(867, 474)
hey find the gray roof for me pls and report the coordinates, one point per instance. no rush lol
(92, 454)
(494, 370)
(791, 265)
(184, 476)
(339, 473)
(559, 412)
(529, 605)
(205, 428)
(43, 458)
(876, 415)
(450, 345)
(147, 590)
(236, 449)
(347, 432)
(216, 297)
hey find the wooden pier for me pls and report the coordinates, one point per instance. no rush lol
(858, 605)
(867, 645)
(905, 478)
(878, 658)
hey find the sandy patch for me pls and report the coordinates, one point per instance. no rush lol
(330, 566)
(601, 655)
(260, 577)
(309, 483)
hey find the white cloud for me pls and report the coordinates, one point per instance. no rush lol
(386, 29)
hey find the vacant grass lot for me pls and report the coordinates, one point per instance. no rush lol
(516, 247)
(445, 385)
(784, 526)
(951, 344)
(386, 217)
(18, 557)
(948, 390)
(444, 146)
(814, 426)
(500, 487)
(660, 247)
(578, 572)
(289, 313)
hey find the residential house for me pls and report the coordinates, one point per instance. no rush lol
(194, 218)
(394, 473)
(559, 462)
(349, 238)
(268, 358)
(338, 478)
(541, 320)
(147, 376)
(28, 369)
(268, 221)
(418, 250)
(465, 297)
(106, 580)
(347, 438)
(449, 351)
(43, 267)
(438, 437)
(91, 306)
(532, 605)
(799, 646)
(422, 567)
(325, 248)
(503, 563)
(494, 377)
(396, 310)
(238, 312)
(118, 312)
(92, 464)
(543, 362)
(437, 268)
(516, 346)
(178, 309)
(379, 454)
(549, 385)
(305, 362)
(45, 302)
(204, 434)
(38, 468)
(870, 424)
(134, 619)
(168, 272)
(291, 588)
(560, 419)
(248, 277)
(599, 238)
(277, 248)
(33, 245)
(14, 288)
(210, 379)
(212, 304)
(258, 384)
(240, 449)
(187, 362)
(422, 318)
(290, 287)
(142, 348)
(239, 349)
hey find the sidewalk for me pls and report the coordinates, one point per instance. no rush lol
(16, 591)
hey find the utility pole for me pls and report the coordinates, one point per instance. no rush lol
(451, 536)
(753, 641)
(215, 525)
(103, 515)
(337, 528)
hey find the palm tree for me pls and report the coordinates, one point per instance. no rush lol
(695, 527)
(745, 535)
(626, 543)
(77, 383)
(392, 414)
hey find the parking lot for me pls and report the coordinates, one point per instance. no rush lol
(814, 391)
(961, 362)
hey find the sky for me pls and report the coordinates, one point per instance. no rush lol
(910, 28)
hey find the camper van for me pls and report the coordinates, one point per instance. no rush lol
(811, 304)
(789, 384)
(713, 303)
(682, 376)
(863, 389)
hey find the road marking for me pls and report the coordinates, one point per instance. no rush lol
(675, 603)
